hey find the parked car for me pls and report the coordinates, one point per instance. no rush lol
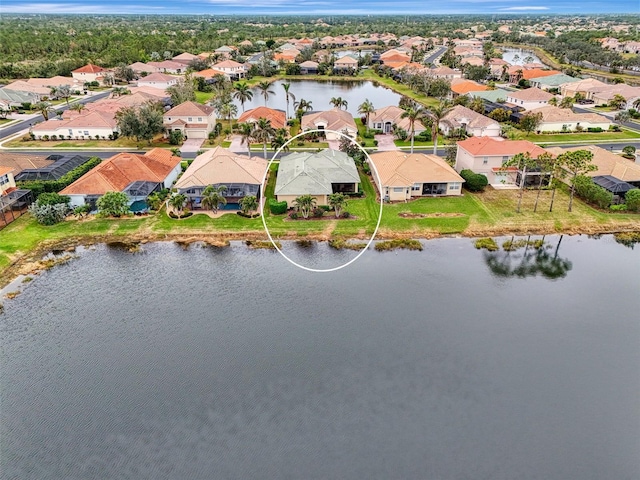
(584, 101)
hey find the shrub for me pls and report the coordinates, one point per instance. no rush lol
(632, 199)
(52, 199)
(114, 204)
(176, 137)
(39, 187)
(589, 191)
(318, 212)
(346, 214)
(618, 208)
(82, 210)
(184, 215)
(49, 214)
(474, 182)
(594, 129)
(277, 208)
(629, 151)
(375, 143)
(293, 215)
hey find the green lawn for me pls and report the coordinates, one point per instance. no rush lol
(582, 137)
(417, 143)
(204, 97)
(122, 142)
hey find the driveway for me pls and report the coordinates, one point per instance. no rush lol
(334, 144)
(385, 143)
(190, 147)
(236, 144)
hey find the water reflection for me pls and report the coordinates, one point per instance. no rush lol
(528, 258)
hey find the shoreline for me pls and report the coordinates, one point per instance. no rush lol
(32, 262)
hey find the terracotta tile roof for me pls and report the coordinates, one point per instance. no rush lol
(89, 68)
(346, 60)
(187, 109)
(608, 163)
(396, 57)
(4, 170)
(119, 171)
(184, 57)
(491, 147)
(277, 117)
(335, 119)
(21, 161)
(401, 169)
(462, 87)
(56, 81)
(157, 93)
(168, 65)
(209, 73)
(309, 64)
(22, 86)
(394, 52)
(532, 94)
(91, 119)
(143, 67)
(537, 73)
(220, 165)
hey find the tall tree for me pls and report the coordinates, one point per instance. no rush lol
(142, 122)
(578, 162)
(248, 204)
(302, 106)
(177, 201)
(529, 122)
(366, 108)
(288, 96)
(524, 163)
(435, 114)
(415, 115)
(213, 197)
(265, 91)
(44, 108)
(263, 132)
(183, 91)
(64, 92)
(545, 164)
(338, 201)
(477, 105)
(339, 102)
(246, 134)
(242, 93)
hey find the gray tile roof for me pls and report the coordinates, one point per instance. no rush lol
(303, 173)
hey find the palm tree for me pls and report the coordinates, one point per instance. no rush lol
(242, 93)
(44, 108)
(288, 95)
(415, 114)
(366, 108)
(338, 102)
(227, 110)
(248, 203)
(77, 107)
(279, 141)
(177, 202)
(302, 107)
(305, 205)
(246, 132)
(553, 101)
(622, 116)
(477, 105)
(263, 132)
(264, 91)
(436, 113)
(566, 102)
(213, 197)
(338, 201)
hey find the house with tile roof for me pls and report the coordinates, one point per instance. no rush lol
(473, 123)
(309, 67)
(140, 68)
(444, 72)
(7, 180)
(583, 87)
(210, 74)
(317, 174)
(232, 68)
(194, 120)
(461, 86)
(604, 94)
(405, 176)
(57, 81)
(24, 161)
(486, 156)
(529, 98)
(346, 63)
(35, 92)
(185, 58)
(84, 126)
(607, 163)
(556, 119)
(552, 81)
(169, 66)
(89, 73)
(385, 118)
(277, 117)
(158, 80)
(336, 120)
(134, 174)
(219, 166)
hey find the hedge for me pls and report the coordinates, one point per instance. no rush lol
(277, 208)
(53, 186)
(474, 182)
(592, 193)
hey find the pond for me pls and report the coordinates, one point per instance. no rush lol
(230, 363)
(320, 93)
(516, 56)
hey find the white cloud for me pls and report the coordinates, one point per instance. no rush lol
(515, 9)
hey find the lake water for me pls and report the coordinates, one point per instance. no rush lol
(450, 363)
(508, 55)
(320, 93)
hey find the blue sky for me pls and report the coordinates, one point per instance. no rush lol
(320, 7)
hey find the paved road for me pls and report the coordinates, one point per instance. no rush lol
(436, 53)
(15, 128)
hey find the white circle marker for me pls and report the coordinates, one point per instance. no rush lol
(377, 179)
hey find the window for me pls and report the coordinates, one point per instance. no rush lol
(398, 189)
(190, 119)
(86, 132)
(454, 186)
(505, 158)
(4, 179)
(200, 119)
(70, 132)
(416, 187)
(485, 160)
